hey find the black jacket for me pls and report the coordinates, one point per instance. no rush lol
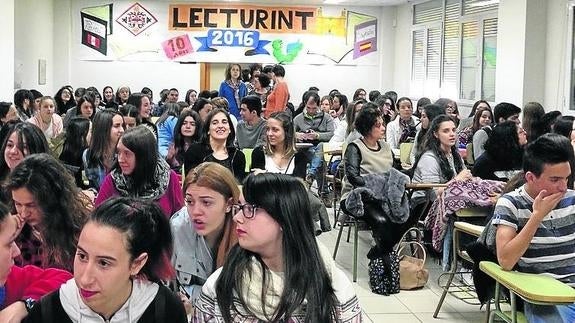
(165, 307)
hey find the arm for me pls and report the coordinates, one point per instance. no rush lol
(300, 167)
(391, 135)
(329, 129)
(352, 162)
(29, 282)
(282, 96)
(479, 139)
(175, 190)
(339, 133)
(193, 157)
(511, 245)
(428, 170)
(258, 158)
(239, 165)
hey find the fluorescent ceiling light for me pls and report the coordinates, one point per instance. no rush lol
(484, 3)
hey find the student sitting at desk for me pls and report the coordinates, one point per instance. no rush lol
(535, 223)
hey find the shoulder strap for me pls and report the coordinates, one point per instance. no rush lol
(289, 163)
(47, 306)
(160, 307)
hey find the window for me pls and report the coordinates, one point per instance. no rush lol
(454, 46)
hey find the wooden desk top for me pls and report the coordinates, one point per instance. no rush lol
(423, 186)
(531, 287)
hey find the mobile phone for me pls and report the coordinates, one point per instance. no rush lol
(183, 290)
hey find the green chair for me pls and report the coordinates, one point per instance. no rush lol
(532, 288)
(248, 154)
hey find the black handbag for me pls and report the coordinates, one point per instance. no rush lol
(384, 274)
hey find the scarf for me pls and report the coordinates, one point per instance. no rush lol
(236, 88)
(408, 129)
(151, 190)
(253, 283)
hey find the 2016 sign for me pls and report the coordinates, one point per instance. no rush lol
(232, 37)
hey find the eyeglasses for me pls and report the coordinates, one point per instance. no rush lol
(249, 210)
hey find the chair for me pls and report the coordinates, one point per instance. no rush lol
(351, 221)
(462, 291)
(532, 288)
(248, 154)
(404, 152)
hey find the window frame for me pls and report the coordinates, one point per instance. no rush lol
(415, 88)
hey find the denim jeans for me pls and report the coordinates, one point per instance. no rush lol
(550, 313)
(315, 155)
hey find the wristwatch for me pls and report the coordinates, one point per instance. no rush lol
(29, 303)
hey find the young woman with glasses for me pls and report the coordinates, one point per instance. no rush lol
(277, 271)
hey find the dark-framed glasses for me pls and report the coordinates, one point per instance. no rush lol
(249, 210)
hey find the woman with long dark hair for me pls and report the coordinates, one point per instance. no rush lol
(141, 172)
(166, 125)
(100, 157)
(187, 131)
(53, 208)
(503, 151)
(121, 260)
(439, 161)
(277, 271)
(77, 139)
(217, 145)
(428, 113)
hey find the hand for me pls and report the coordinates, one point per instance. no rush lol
(463, 175)
(187, 304)
(258, 171)
(300, 136)
(311, 135)
(333, 113)
(14, 313)
(171, 152)
(544, 203)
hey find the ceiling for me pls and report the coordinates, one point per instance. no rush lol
(329, 2)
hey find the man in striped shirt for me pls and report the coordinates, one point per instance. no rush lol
(536, 222)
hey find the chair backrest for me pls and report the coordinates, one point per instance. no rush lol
(248, 154)
(405, 151)
(470, 160)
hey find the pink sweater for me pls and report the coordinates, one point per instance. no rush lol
(32, 282)
(171, 202)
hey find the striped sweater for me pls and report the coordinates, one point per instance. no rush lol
(552, 249)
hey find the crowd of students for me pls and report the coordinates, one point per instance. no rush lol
(129, 195)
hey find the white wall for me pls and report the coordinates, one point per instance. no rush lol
(7, 50)
(556, 51)
(33, 40)
(402, 50)
(535, 31)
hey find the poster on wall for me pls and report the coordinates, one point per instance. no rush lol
(196, 32)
